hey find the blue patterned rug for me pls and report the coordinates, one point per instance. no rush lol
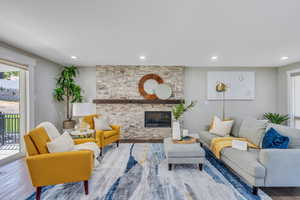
(140, 172)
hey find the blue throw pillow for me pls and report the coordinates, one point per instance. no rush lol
(273, 139)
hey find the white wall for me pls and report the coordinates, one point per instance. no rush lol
(42, 82)
(196, 89)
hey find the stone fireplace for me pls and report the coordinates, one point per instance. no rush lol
(121, 83)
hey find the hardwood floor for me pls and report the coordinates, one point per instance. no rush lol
(15, 184)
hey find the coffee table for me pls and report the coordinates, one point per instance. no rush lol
(183, 153)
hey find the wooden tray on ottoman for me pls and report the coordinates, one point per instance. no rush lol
(186, 140)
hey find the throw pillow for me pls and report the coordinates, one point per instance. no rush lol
(62, 143)
(292, 133)
(273, 139)
(101, 123)
(253, 130)
(221, 128)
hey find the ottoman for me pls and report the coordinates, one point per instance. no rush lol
(183, 153)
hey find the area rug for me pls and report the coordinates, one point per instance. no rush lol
(140, 172)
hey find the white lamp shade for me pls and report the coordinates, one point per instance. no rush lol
(83, 109)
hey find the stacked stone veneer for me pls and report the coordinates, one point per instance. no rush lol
(121, 82)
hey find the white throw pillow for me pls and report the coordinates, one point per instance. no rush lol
(101, 123)
(62, 143)
(221, 128)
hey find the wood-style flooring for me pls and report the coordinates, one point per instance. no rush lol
(15, 184)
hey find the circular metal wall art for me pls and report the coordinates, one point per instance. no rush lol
(148, 85)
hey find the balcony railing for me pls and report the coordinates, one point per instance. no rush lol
(9, 129)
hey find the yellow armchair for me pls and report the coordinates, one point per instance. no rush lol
(55, 168)
(102, 137)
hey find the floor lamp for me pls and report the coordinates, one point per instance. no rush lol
(221, 88)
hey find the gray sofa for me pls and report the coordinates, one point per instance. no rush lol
(262, 167)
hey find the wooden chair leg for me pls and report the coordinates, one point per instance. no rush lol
(254, 190)
(101, 149)
(38, 193)
(170, 167)
(200, 167)
(86, 187)
(118, 143)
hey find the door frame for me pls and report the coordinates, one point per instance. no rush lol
(290, 96)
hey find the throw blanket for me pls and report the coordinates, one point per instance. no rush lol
(217, 144)
(92, 146)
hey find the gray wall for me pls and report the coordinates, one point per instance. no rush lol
(46, 107)
(87, 81)
(43, 83)
(282, 86)
(195, 88)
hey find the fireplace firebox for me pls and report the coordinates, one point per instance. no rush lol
(158, 119)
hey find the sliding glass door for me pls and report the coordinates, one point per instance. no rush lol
(12, 110)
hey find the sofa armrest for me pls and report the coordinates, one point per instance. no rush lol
(63, 167)
(116, 128)
(282, 166)
(83, 140)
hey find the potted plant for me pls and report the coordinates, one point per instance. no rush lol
(177, 111)
(68, 91)
(276, 118)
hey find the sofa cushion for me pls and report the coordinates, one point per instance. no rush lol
(292, 133)
(253, 130)
(246, 161)
(108, 134)
(40, 139)
(206, 137)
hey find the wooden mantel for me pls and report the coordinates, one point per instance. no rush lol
(137, 101)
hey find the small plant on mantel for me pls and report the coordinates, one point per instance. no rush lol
(181, 108)
(276, 118)
(68, 91)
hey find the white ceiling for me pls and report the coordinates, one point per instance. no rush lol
(167, 32)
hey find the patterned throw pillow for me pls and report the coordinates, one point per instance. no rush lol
(221, 128)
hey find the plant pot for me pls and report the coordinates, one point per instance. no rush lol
(176, 134)
(69, 124)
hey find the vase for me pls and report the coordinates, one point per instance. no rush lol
(176, 135)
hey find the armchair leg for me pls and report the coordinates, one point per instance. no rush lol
(101, 149)
(86, 187)
(118, 143)
(254, 190)
(38, 193)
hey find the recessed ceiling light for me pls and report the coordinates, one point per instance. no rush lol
(142, 58)
(74, 57)
(284, 58)
(214, 58)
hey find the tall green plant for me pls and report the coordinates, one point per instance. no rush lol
(179, 109)
(276, 118)
(66, 89)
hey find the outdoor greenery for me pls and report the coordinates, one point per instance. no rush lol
(179, 109)
(276, 118)
(66, 89)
